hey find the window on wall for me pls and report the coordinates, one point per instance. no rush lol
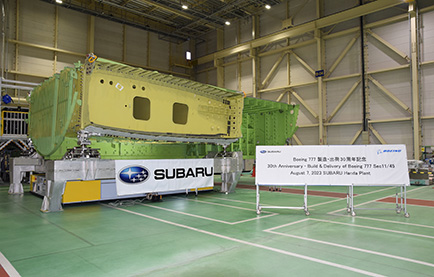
(141, 108)
(180, 113)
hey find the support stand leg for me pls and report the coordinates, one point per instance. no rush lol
(353, 213)
(258, 207)
(306, 211)
(406, 214)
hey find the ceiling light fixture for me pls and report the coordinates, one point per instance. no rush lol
(267, 7)
(227, 23)
(59, 1)
(184, 6)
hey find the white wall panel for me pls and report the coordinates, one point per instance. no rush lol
(230, 35)
(231, 80)
(280, 76)
(396, 133)
(350, 64)
(246, 30)
(246, 77)
(335, 6)
(37, 22)
(72, 31)
(308, 136)
(35, 61)
(381, 57)
(341, 135)
(159, 52)
(136, 46)
(304, 14)
(352, 109)
(310, 95)
(65, 60)
(270, 21)
(397, 82)
(427, 36)
(427, 91)
(428, 132)
(108, 39)
(299, 74)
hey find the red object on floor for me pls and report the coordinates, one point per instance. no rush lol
(3, 272)
(410, 201)
(254, 171)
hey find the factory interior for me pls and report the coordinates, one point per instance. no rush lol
(216, 138)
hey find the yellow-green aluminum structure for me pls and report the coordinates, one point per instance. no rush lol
(114, 99)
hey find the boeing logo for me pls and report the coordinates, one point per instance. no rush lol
(134, 174)
(379, 151)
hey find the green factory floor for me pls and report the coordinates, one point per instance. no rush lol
(216, 234)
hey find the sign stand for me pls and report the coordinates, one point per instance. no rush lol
(333, 165)
(399, 205)
(304, 207)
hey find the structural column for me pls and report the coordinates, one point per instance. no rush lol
(412, 9)
(218, 62)
(322, 134)
(255, 58)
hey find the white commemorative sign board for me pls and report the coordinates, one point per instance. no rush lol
(147, 176)
(332, 165)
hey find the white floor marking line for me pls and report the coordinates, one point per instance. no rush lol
(328, 202)
(252, 244)
(397, 222)
(226, 199)
(287, 224)
(8, 267)
(374, 228)
(218, 204)
(206, 218)
(353, 248)
(392, 195)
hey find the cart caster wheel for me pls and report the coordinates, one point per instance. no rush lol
(353, 214)
(226, 192)
(307, 213)
(398, 211)
(258, 211)
(348, 210)
(407, 215)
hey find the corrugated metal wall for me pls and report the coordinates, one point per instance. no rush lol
(36, 28)
(385, 65)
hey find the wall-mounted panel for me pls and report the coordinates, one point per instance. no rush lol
(270, 21)
(427, 36)
(108, 39)
(308, 136)
(159, 49)
(35, 61)
(37, 21)
(246, 77)
(72, 31)
(351, 110)
(309, 94)
(341, 135)
(350, 63)
(382, 106)
(382, 57)
(427, 91)
(136, 46)
(280, 75)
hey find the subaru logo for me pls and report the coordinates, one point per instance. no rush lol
(134, 174)
(263, 151)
